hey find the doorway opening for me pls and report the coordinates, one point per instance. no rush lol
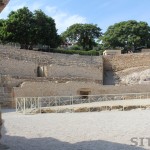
(84, 92)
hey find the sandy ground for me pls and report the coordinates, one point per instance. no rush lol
(77, 131)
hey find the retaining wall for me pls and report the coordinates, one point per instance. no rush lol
(70, 88)
(23, 64)
(125, 61)
(0, 123)
(6, 97)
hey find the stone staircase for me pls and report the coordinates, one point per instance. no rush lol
(6, 97)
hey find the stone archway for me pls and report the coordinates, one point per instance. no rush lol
(42, 71)
(84, 92)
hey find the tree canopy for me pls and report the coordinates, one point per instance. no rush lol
(82, 34)
(28, 29)
(3, 33)
(127, 34)
(36, 28)
(19, 27)
(45, 31)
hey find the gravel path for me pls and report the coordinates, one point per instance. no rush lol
(76, 131)
(123, 103)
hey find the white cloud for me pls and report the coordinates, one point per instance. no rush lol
(105, 4)
(51, 10)
(35, 6)
(63, 19)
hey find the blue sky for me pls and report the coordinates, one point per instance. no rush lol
(101, 12)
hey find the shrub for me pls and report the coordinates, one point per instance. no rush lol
(83, 52)
(75, 47)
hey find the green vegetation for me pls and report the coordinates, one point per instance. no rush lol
(82, 34)
(129, 35)
(30, 29)
(80, 52)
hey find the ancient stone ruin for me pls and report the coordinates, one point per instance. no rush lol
(25, 73)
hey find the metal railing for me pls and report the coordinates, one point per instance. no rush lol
(30, 104)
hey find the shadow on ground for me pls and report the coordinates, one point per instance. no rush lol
(47, 143)
(5, 110)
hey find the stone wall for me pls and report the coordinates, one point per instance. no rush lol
(87, 72)
(3, 4)
(0, 123)
(53, 88)
(125, 61)
(67, 74)
(31, 89)
(23, 64)
(48, 58)
(6, 97)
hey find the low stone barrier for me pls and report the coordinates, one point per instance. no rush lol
(2, 146)
(0, 124)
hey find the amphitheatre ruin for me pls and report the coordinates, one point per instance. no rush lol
(33, 74)
(33, 82)
(80, 78)
(64, 75)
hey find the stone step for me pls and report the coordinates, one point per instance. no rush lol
(5, 96)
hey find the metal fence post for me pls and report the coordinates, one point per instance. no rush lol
(59, 102)
(89, 99)
(55, 101)
(16, 104)
(49, 100)
(40, 102)
(72, 99)
(24, 106)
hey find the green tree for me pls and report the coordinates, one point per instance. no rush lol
(19, 26)
(28, 29)
(3, 31)
(45, 31)
(82, 34)
(127, 34)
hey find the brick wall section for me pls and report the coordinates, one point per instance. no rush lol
(6, 97)
(121, 62)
